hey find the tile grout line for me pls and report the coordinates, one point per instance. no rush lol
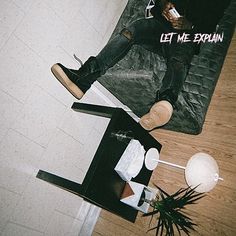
(6, 189)
(22, 103)
(29, 139)
(22, 41)
(24, 226)
(63, 131)
(12, 32)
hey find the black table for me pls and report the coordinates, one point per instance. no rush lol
(102, 186)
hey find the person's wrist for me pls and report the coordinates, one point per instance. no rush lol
(163, 4)
(189, 25)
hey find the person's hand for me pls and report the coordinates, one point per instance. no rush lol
(166, 10)
(180, 23)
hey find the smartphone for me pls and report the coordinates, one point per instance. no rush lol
(174, 13)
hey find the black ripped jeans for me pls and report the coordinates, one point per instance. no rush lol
(147, 33)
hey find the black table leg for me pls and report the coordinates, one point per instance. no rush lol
(60, 182)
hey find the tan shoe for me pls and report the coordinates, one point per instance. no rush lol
(159, 114)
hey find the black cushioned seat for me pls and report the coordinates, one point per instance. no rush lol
(136, 78)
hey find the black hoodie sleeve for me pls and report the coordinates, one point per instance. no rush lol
(205, 15)
(158, 8)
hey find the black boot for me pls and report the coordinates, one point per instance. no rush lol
(77, 82)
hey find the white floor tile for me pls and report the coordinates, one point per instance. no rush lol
(39, 117)
(62, 157)
(13, 179)
(101, 124)
(90, 148)
(20, 69)
(19, 160)
(8, 201)
(89, 151)
(9, 109)
(118, 9)
(10, 17)
(81, 39)
(77, 124)
(41, 30)
(50, 84)
(101, 16)
(66, 9)
(94, 12)
(17, 230)
(59, 225)
(36, 206)
(93, 96)
(69, 203)
(24, 5)
(19, 151)
(68, 158)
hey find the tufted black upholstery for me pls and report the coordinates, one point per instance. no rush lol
(136, 78)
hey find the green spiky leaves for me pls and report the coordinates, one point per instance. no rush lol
(169, 210)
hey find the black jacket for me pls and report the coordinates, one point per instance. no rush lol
(203, 14)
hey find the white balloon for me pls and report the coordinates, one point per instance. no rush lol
(202, 170)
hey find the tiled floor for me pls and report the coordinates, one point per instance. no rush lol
(38, 128)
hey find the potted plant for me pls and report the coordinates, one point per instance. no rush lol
(169, 210)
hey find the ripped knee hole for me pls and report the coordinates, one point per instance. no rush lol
(127, 34)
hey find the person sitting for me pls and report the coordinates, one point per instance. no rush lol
(195, 16)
